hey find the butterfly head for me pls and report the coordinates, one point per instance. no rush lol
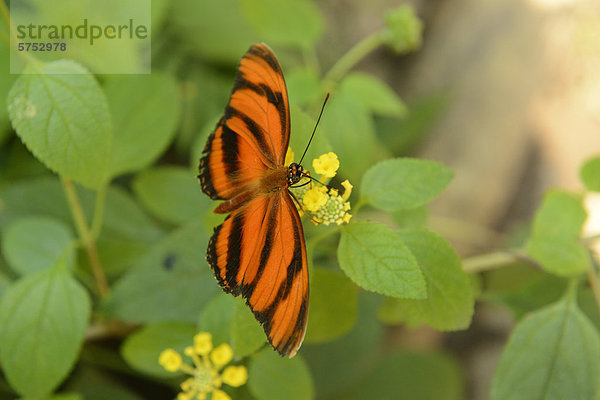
(295, 172)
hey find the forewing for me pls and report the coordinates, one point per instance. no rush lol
(254, 132)
(259, 252)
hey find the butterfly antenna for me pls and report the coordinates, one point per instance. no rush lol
(314, 130)
(307, 175)
(313, 179)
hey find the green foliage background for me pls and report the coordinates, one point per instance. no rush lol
(104, 228)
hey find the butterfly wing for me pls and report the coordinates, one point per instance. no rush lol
(259, 252)
(254, 133)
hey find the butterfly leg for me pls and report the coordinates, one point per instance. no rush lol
(314, 221)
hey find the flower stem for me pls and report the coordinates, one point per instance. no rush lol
(572, 286)
(362, 202)
(86, 236)
(487, 262)
(352, 57)
(6, 18)
(99, 212)
(11, 33)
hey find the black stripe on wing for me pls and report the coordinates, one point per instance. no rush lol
(206, 181)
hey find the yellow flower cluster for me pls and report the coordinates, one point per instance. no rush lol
(335, 209)
(206, 375)
(325, 206)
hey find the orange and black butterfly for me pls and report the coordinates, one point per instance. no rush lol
(259, 250)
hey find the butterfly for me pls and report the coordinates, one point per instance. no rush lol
(259, 250)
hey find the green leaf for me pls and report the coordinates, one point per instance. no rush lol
(197, 21)
(521, 288)
(404, 183)
(590, 174)
(19, 164)
(5, 281)
(216, 318)
(229, 320)
(271, 377)
(142, 348)
(35, 243)
(350, 129)
(418, 376)
(60, 113)
(45, 196)
(333, 306)
(96, 383)
(336, 365)
(171, 194)
(247, 335)
(589, 306)
(375, 95)
(200, 142)
(204, 93)
(376, 259)
(65, 396)
(303, 87)
(127, 231)
(287, 23)
(159, 12)
(450, 300)
(554, 241)
(145, 113)
(42, 196)
(172, 282)
(45, 315)
(553, 353)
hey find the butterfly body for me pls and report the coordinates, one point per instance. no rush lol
(258, 251)
(272, 181)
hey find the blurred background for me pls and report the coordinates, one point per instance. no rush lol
(519, 83)
(504, 92)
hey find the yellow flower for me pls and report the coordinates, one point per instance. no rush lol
(205, 376)
(170, 360)
(235, 376)
(221, 355)
(184, 396)
(203, 343)
(323, 203)
(348, 190)
(187, 384)
(289, 157)
(327, 165)
(335, 210)
(220, 395)
(314, 198)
